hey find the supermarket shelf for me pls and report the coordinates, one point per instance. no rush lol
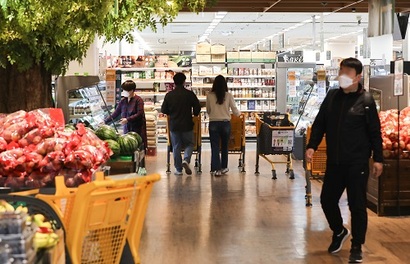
(234, 86)
(234, 76)
(252, 99)
(152, 69)
(249, 111)
(246, 121)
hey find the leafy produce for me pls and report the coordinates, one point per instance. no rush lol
(34, 148)
(396, 140)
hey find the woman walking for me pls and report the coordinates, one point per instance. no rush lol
(219, 102)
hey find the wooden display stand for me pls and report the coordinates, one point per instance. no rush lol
(383, 192)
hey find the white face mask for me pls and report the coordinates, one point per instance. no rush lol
(125, 94)
(345, 81)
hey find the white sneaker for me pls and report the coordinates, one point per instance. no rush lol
(225, 171)
(217, 173)
(178, 173)
(185, 165)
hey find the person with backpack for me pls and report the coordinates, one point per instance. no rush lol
(219, 102)
(349, 119)
(180, 104)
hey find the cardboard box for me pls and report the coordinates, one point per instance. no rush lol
(269, 57)
(152, 151)
(218, 49)
(245, 56)
(203, 58)
(218, 58)
(258, 56)
(203, 48)
(232, 56)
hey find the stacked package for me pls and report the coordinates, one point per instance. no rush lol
(151, 116)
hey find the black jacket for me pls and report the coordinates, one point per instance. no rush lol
(352, 132)
(179, 105)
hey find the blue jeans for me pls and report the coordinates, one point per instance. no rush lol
(219, 133)
(180, 141)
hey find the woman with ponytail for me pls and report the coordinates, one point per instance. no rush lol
(219, 103)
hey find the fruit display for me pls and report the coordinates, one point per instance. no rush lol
(120, 145)
(23, 235)
(396, 140)
(128, 144)
(35, 147)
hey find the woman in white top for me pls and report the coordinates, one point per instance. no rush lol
(219, 102)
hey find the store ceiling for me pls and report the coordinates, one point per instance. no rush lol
(239, 30)
(304, 6)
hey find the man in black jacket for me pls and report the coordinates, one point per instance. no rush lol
(349, 119)
(179, 105)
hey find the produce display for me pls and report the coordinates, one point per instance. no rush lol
(124, 145)
(35, 147)
(396, 141)
(22, 235)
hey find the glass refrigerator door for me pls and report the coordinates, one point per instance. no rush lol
(299, 86)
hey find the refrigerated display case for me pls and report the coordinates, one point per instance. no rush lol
(294, 89)
(85, 105)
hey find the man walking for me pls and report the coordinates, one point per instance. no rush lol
(349, 119)
(179, 105)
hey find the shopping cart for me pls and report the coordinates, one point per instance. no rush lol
(316, 168)
(197, 144)
(101, 216)
(237, 139)
(274, 139)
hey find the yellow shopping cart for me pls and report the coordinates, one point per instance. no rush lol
(100, 216)
(237, 139)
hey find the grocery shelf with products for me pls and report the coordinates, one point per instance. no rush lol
(86, 105)
(252, 85)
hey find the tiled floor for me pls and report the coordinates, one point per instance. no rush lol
(242, 218)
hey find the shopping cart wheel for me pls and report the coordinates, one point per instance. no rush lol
(291, 174)
(257, 173)
(287, 170)
(274, 175)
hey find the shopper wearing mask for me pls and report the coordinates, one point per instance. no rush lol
(219, 102)
(180, 104)
(131, 111)
(349, 119)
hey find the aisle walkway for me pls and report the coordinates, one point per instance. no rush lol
(241, 218)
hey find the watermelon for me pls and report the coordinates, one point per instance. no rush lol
(105, 132)
(128, 145)
(137, 137)
(114, 146)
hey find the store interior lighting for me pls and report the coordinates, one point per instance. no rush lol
(143, 43)
(219, 16)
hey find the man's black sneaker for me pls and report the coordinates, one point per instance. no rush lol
(356, 255)
(338, 240)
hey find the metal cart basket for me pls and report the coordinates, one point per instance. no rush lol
(197, 144)
(274, 139)
(237, 139)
